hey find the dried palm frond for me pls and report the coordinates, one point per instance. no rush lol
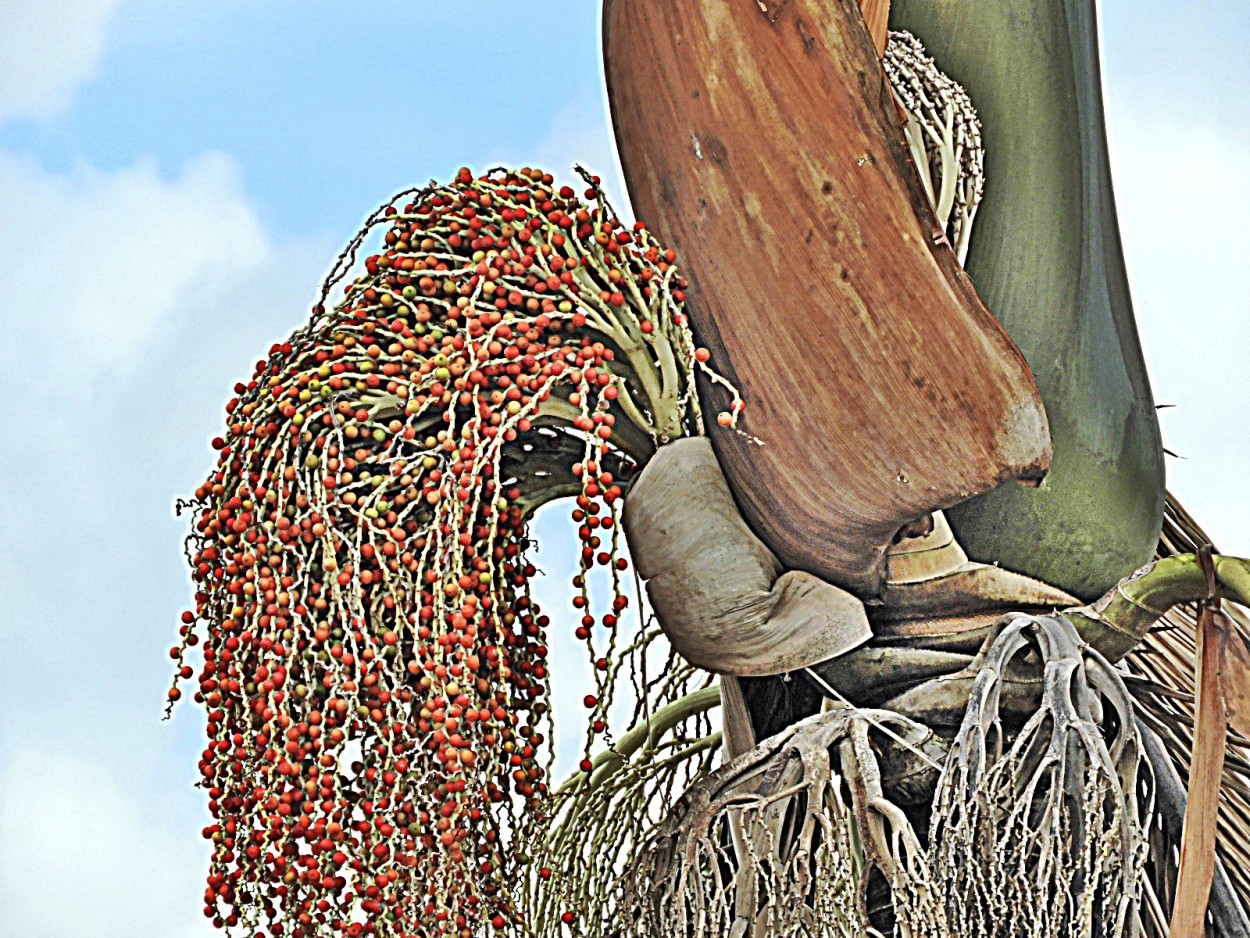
(1161, 677)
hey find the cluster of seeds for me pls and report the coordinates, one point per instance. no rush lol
(375, 670)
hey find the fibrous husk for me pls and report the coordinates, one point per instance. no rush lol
(761, 139)
(720, 595)
(1047, 260)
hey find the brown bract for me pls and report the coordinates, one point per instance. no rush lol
(758, 136)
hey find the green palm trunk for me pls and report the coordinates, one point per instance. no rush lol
(1047, 261)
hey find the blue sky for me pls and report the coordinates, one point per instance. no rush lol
(174, 180)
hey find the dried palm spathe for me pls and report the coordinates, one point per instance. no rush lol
(817, 273)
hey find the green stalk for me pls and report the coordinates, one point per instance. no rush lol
(1046, 259)
(611, 761)
(1119, 620)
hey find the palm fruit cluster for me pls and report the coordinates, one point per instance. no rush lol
(375, 670)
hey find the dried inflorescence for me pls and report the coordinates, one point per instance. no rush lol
(1039, 824)
(375, 671)
(782, 839)
(943, 133)
(1045, 824)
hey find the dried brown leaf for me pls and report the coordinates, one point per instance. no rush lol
(1235, 669)
(1197, 862)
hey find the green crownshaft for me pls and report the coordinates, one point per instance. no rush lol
(1046, 258)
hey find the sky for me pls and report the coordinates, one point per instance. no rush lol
(176, 177)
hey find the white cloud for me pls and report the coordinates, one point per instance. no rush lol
(1183, 191)
(82, 855)
(96, 263)
(48, 49)
(131, 301)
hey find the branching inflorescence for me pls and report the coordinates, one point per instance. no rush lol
(375, 670)
(943, 133)
(1045, 825)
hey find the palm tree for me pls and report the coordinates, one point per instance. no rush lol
(794, 170)
(908, 668)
